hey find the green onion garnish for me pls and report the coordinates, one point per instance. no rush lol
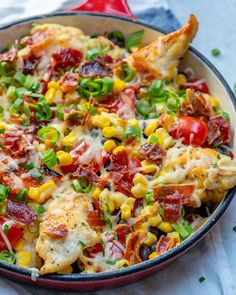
(128, 73)
(40, 209)
(149, 196)
(20, 78)
(5, 228)
(49, 158)
(43, 111)
(153, 139)
(111, 261)
(144, 107)
(134, 40)
(37, 175)
(7, 256)
(21, 194)
(28, 166)
(116, 35)
(82, 244)
(79, 185)
(173, 104)
(107, 220)
(15, 107)
(215, 52)
(4, 192)
(49, 133)
(156, 88)
(11, 91)
(184, 229)
(132, 131)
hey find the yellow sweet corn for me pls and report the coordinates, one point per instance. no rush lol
(119, 85)
(151, 128)
(96, 192)
(66, 271)
(119, 199)
(143, 226)
(125, 211)
(112, 132)
(71, 96)
(109, 145)
(64, 158)
(214, 101)
(153, 255)
(140, 178)
(175, 237)
(50, 94)
(23, 258)
(19, 246)
(151, 238)
(106, 200)
(43, 192)
(148, 167)
(165, 226)
(167, 124)
(53, 84)
(123, 262)
(130, 202)
(133, 122)
(119, 149)
(3, 125)
(70, 139)
(139, 190)
(147, 210)
(164, 139)
(181, 79)
(101, 121)
(155, 220)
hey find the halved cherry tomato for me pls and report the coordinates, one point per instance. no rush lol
(196, 85)
(14, 234)
(193, 131)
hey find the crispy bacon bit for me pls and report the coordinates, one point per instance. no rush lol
(152, 152)
(30, 63)
(94, 68)
(172, 208)
(133, 245)
(66, 58)
(13, 142)
(219, 131)
(87, 172)
(69, 81)
(36, 39)
(185, 190)
(56, 231)
(94, 219)
(196, 105)
(10, 55)
(126, 106)
(20, 212)
(122, 230)
(164, 244)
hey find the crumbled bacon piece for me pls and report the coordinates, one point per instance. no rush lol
(10, 55)
(219, 131)
(164, 244)
(122, 230)
(133, 245)
(66, 58)
(185, 190)
(13, 142)
(91, 69)
(35, 39)
(196, 105)
(152, 152)
(94, 219)
(126, 105)
(20, 212)
(56, 231)
(172, 206)
(30, 63)
(69, 81)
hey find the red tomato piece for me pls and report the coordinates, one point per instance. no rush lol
(14, 234)
(197, 85)
(193, 131)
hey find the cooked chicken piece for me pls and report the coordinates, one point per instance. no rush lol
(64, 234)
(161, 57)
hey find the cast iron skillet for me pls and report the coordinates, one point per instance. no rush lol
(126, 22)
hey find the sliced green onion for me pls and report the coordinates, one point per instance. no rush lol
(111, 261)
(20, 78)
(6, 80)
(144, 107)
(82, 244)
(215, 52)
(226, 115)
(28, 166)
(43, 111)
(40, 209)
(20, 92)
(80, 187)
(3, 69)
(173, 104)
(59, 113)
(26, 110)
(149, 196)
(37, 175)
(11, 91)
(107, 220)
(92, 53)
(2, 130)
(29, 82)
(153, 139)
(106, 84)
(16, 105)
(5, 228)
(49, 133)
(134, 40)
(21, 194)
(128, 73)
(184, 229)
(7, 256)
(49, 158)
(33, 229)
(1, 111)
(97, 87)
(132, 131)
(156, 88)
(4, 192)
(77, 186)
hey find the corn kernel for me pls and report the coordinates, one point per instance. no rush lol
(143, 226)
(109, 145)
(139, 178)
(118, 199)
(50, 94)
(214, 101)
(181, 79)
(125, 212)
(151, 238)
(148, 167)
(119, 149)
(123, 262)
(139, 190)
(3, 125)
(66, 271)
(110, 132)
(23, 258)
(33, 193)
(133, 122)
(119, 85)
(19, 246)
(165, 226)
(130, 202)
(154, 220)
(43, 192)
(151, 128)
(153, 255)
(101, 121)
(96, 192)
(175, 237)
(70, 139)
(64, 158)
(53, 84)
(147, 210)
(71, 97)
(164, 139)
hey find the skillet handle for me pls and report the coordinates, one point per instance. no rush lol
(115, 7)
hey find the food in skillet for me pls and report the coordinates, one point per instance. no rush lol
(109, 156)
